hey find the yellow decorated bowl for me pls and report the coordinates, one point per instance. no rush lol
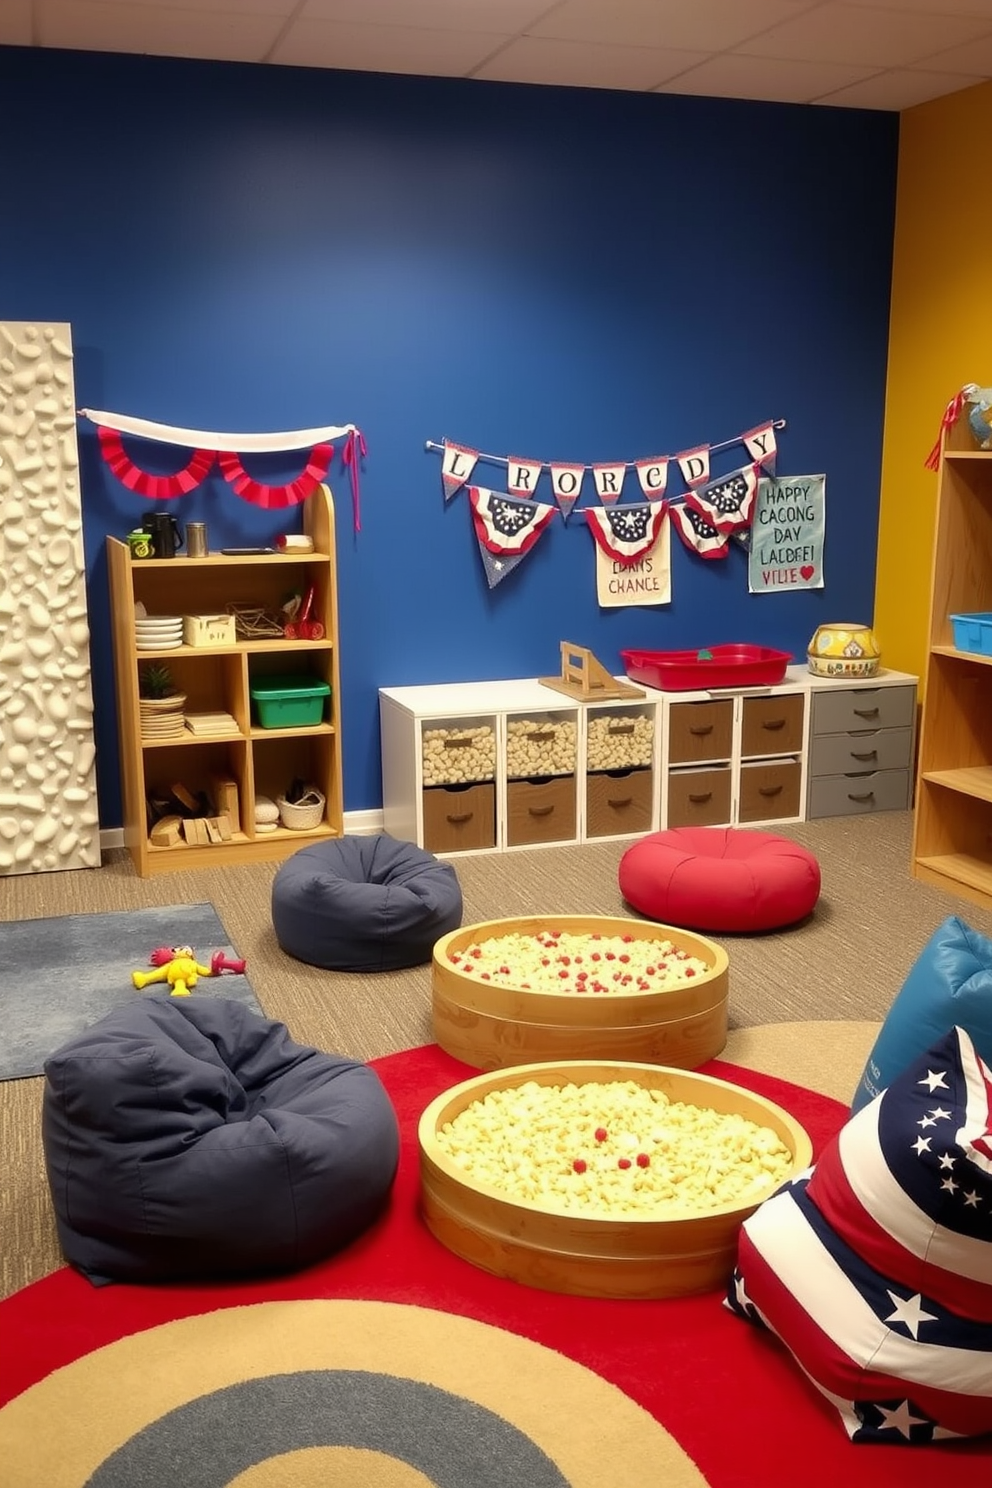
(842, 649)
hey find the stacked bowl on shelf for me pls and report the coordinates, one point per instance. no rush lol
(158, 632)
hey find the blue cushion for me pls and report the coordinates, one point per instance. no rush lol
(949, 985)
(187, 1137)
(364, 904)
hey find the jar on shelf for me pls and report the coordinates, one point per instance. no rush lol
(844, 649)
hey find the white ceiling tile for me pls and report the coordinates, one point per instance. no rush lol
(898, 89)
(53, 12)
(933, 7)
(973, 59)
(15, 23)
(504, 17)
(100, 25)
(577, 64)
(734, 76)
(796, 50)
(698, 25)
(868, 37)
(400, 49)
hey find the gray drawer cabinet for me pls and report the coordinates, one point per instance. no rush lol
(861, 750)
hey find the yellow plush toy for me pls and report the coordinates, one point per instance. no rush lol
(175, 965)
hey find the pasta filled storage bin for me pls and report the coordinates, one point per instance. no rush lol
(541, 745)
(288, 702)
(458, 753)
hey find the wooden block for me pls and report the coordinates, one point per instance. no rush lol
(225, 798)
(167, 832)
(184, 796)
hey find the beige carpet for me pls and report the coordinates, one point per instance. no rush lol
(839, 971)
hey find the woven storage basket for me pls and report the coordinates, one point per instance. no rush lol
(303, 814)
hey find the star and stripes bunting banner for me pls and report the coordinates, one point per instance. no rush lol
(875, 1267)
(699, 535)
(457, 464)
(727, 504)
(506, 529)
(626, 533)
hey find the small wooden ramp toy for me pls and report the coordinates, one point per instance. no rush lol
(586, 679)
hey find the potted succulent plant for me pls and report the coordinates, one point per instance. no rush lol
(156, 685)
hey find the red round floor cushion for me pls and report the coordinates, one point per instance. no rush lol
(720, 878)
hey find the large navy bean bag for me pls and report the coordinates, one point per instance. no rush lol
(189, 1138)
(364, 904)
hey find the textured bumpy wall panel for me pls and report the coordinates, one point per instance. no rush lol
(49, 817)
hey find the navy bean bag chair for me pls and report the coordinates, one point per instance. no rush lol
(187, 1138)
(364, 904)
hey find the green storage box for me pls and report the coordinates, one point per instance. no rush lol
(288, 702)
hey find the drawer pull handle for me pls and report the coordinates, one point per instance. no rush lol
(698, 800)
(540, 810)
(542, 736)
(458, 821)
(701, 729)
(620, 728)
(619, 801)
(865, 712)
(871, 754)
(769, 790)
(865, 796)
(773, 723)
(458, 743)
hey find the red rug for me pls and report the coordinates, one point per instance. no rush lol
(725, 1391)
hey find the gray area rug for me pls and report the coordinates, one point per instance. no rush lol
(61, 975)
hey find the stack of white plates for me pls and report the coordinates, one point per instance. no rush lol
(158, 632)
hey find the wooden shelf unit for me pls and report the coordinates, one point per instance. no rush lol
(261, 761)
(952, 836)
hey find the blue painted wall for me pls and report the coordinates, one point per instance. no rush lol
(558, 274)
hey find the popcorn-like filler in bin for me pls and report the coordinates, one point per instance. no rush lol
(589, 1137)
(623, 741)
(457, 756)
(505, 992)
(614, 1147)
(540, 748)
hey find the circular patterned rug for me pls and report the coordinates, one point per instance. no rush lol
(397, 1365)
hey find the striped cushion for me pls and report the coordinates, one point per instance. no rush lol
(875, 1267)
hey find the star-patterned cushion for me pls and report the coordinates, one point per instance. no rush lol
(875, 1267)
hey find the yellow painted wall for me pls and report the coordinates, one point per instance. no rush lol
(940, 337)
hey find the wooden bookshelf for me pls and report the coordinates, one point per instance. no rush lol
(255, 761)
(952, 837)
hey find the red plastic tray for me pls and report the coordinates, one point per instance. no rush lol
(708, 668)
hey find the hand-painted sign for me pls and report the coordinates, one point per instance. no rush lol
(787, 531)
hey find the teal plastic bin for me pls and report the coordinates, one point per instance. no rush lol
(973, 632)
(288, 702)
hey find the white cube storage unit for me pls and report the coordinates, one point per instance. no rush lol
(540, 784)
(486, 766)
